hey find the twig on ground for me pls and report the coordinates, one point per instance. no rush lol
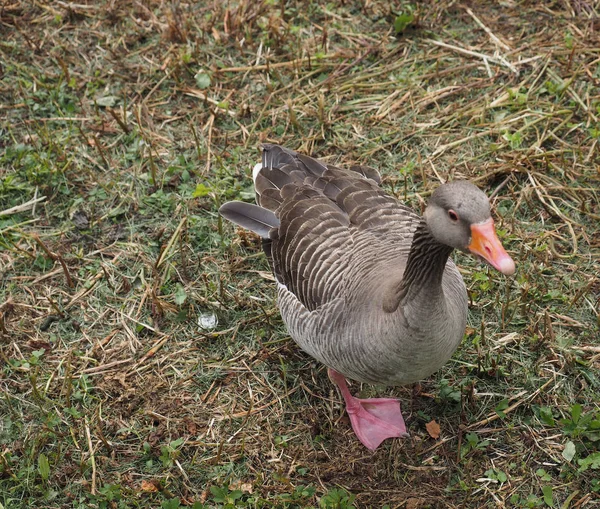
(493, 37)
(496, 60)
(23, 207)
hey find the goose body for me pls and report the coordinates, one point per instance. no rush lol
(350, 331)
(365, 285)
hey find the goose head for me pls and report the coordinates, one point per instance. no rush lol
(458, 215)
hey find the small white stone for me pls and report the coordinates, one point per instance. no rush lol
(208, 321)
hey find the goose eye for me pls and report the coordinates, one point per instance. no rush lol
(453, 215)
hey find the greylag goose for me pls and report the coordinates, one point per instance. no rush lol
(365, 285)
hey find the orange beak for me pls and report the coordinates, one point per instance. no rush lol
(485, 243)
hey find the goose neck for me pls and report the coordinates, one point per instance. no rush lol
(425, 266)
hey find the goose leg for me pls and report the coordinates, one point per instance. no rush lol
(374, 419)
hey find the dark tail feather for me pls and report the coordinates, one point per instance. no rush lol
(367, 172)
(251, 217)
(276, 156)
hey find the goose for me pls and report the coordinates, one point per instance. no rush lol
(365, 285)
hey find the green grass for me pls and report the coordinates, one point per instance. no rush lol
(123, 127)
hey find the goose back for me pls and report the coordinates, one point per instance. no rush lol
(340, 250)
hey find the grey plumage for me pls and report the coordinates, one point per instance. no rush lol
(251, 217)
(365, 284)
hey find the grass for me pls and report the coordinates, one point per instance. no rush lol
(124, 125)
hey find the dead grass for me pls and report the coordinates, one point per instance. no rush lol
(125, 124)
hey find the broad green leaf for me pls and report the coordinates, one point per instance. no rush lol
(108, 101)
(44, 466)
(219, 494)
(569, 451)
(234, 495)
(201, 190)
(180, 295)
(402, 21)
(576, 413)
(172, 503)
(202, 80)
(592, 461)
(500, 407)
(176, 443)
(545, 476)
(547, 491)
(546, 415)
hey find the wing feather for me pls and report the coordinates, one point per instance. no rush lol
(320, 210)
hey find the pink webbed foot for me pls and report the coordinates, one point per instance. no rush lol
(374, 419)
